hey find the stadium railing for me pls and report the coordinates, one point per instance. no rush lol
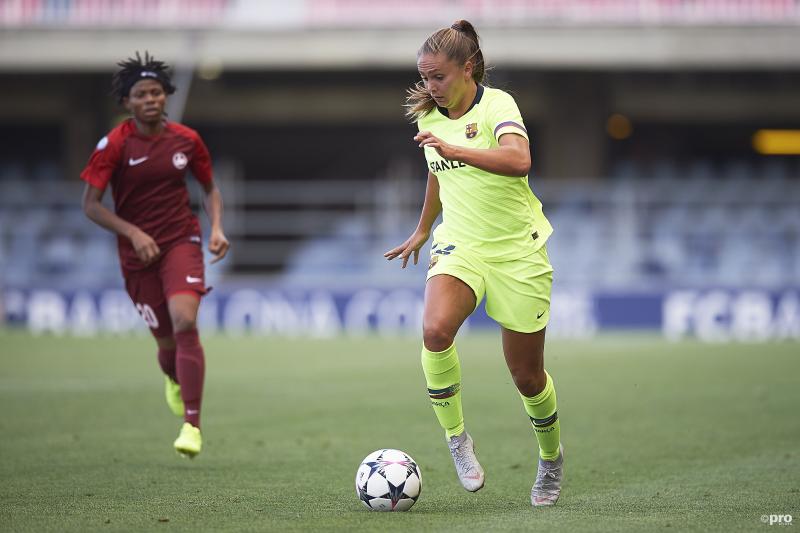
(633, 231)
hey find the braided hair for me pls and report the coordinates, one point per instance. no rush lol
(135, 69)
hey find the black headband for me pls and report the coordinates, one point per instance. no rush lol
(142, 74)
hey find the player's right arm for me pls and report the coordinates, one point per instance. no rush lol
(104, 162)
(144, 245)
(430, 210)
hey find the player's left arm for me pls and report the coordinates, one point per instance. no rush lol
(511, 158)
(212, 202)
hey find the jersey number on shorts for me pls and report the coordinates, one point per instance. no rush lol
(148, 315)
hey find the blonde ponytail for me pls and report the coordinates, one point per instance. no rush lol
(459, 43)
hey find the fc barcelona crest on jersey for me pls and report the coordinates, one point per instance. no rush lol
(472, 130)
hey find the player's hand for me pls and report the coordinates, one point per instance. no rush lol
(145, 247)
(426, 138)
(218, 245)
(411, 246)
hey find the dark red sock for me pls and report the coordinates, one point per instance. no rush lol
(191, 367)
(166, 360)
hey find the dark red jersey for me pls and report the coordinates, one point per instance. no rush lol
(148, 182)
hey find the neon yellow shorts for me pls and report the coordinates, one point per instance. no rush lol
(517, 292)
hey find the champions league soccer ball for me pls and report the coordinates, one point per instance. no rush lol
(388, 480)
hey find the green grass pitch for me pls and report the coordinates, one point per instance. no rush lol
(658, 436)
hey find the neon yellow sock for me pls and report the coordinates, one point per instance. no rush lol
(443, 375)
(544, 419)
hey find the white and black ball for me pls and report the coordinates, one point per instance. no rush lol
(388, 480)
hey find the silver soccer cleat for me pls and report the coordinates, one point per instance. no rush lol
(547, 487)
(469, 470)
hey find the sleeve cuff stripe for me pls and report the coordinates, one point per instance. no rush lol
(509, 123)
(94, 182)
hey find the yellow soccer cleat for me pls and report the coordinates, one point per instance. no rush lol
(173, 393)
(189, 442)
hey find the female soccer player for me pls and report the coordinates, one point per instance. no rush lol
(145, 160)
(491, 241)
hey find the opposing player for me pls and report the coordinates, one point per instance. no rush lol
(145, 160)
(491, 241)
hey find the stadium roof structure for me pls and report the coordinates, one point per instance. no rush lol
(254, 34)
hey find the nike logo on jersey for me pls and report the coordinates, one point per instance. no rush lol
(190, 279)
(540, 315)
(133, 162)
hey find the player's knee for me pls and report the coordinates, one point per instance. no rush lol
(529, 383)
(183, 322)
(166, 343)
(436, 337)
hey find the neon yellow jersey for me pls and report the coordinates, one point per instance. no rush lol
(497, 217)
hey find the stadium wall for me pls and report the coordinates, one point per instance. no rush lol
(712, 315)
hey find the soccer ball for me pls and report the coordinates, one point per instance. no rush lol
(388, 480)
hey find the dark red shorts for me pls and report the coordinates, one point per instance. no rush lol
(179, 270)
